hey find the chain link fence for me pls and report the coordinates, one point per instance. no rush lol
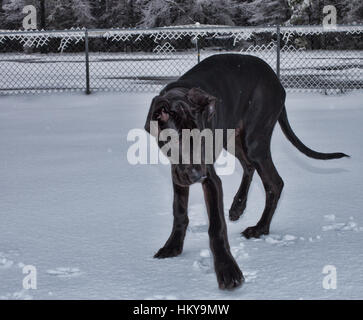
(308, 58)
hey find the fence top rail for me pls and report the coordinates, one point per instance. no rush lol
(188, 28)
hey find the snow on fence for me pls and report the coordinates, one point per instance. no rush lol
(305, 58)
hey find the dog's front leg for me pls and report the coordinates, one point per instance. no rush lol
(174, 245)
(228, 273)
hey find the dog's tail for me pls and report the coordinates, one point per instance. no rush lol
(290, 135)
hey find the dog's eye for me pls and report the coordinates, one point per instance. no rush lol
(163, 110)
(159, 112)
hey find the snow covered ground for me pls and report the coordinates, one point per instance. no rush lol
(73, 207)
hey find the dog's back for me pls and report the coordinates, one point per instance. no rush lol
(224, 69)
(233, 79)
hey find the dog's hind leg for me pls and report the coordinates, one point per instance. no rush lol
(260, 120)
(240, 199)
(273, 185)
(174, 245)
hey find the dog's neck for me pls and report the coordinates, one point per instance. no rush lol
(179, 84)
(177, 91)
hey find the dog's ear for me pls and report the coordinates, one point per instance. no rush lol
(157, 111)
(150, 116)
(203, 101)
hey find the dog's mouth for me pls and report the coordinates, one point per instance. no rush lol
(202, 179)
(184, 183)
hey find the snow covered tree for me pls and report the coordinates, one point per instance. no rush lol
(160, 13)
(42, 22)
(65, 14)
(311, 11)
(266, 12)
(301, 12)
(348, 11)
(60, 14)
(2, 17)
(157, 13)
(82, 13)
(13, 14)
(119, 13)
(220, 12)
(115, 13)
(355, 13)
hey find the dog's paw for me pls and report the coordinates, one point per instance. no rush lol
(234, 214)
(236, 210)
(168, 252)
(229, 275)
(255, 232)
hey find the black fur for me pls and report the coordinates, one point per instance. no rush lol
(228, 91)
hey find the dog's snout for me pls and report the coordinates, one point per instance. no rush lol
(195, 175)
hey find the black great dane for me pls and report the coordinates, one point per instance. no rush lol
(226, 91)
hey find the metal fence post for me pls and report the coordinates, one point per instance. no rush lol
(87, 61)
(198, 48)
(278, 51)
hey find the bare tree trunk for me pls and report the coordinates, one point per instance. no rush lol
(131, 11)
(2, 18)
(42, 24)
(108, 6)
(98, 9)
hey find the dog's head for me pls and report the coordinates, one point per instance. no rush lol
(179, 109)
